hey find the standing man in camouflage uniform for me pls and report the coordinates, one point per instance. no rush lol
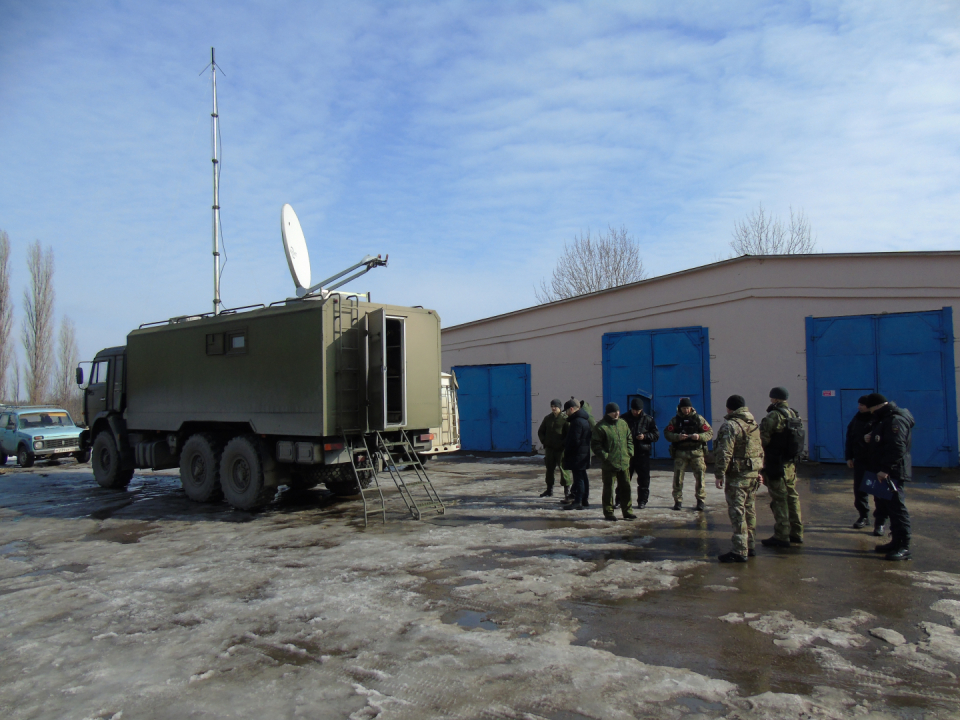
(780, 472)
(688, 434)
(551, 437)
(613, 442)
(738, 457)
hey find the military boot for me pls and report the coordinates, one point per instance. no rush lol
(901, 553)
(861, 522)
(731, 557)
(886, 548)
(677, 505)
(547, 493)
(775, 542)
(566, 492)
(700, 506)
(878, 529)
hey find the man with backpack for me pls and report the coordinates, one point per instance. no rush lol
(783, 437)
(738, 455)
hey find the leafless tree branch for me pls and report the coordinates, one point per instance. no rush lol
(37, 333)
(592, 264)
(68, 356)
(763, 234)
(6, 310)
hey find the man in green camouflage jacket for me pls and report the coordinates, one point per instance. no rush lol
(551, 437)
(613, 442)
(738, 457)
(688, 434)
(780, 472)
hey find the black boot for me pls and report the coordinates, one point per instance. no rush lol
(566, 491)
(677, 505)
(886, 548)
(901, 553)
(878, 529)
(861, 522)
(547, 493)
(700, 506)
(731, 557)
(775, 542)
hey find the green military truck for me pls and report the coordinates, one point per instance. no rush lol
(302, 392)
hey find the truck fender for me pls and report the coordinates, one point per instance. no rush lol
(119, 429)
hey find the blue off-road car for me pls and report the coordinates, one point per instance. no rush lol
(39, 433)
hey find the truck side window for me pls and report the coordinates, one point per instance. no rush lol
(236, 343)
(98, 373)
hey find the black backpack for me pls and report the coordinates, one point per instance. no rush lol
(793, 436)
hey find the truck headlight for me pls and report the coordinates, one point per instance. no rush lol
(38, 444)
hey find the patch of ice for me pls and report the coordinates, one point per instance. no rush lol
(934, 580)
(943, 642)
(793, 634)
(949, 607)
(721, 588)
(889, 636)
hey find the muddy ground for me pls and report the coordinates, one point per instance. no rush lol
(141, 604)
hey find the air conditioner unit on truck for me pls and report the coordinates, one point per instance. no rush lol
(298, 393)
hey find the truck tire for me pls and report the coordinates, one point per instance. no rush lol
(3, 458)
(340, 480)
(200, 468)
(83, 456)
(24, 457)
(246, 474)
(105, 459)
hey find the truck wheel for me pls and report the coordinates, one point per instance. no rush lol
(24, 457)
(3, 458)
(106, 462)
(82, 457)
(200, 468)
(246, 474)
(339, 479)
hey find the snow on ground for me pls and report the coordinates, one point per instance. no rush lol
(304, 614)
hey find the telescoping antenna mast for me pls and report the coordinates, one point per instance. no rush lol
(215, 140)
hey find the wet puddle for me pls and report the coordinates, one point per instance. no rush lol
(124, 534)
(469, 619)
(76, 568)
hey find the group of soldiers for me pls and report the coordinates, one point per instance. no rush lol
(746, 455)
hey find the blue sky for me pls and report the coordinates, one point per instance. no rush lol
(467, 140)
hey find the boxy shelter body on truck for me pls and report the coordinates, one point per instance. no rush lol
(243, 402)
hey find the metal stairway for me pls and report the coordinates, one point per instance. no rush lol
(372, 493)
(397, 454)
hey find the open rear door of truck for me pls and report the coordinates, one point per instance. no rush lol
(376, 369)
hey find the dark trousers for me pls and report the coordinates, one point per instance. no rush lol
(640, 464)
(581, 485)
(896, 509)
(861, 500)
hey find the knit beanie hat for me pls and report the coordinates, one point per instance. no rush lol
(735, 402)
(874, 399)
(862, 400)
(611, 407)
(779, 393)
(636, 404)
(570, 404)
(556, 403)
(684, 402)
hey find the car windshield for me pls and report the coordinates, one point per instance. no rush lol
(45, 419)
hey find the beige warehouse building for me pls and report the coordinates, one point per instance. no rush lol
(829, 327)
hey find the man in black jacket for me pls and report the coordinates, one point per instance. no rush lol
(888, 454)
(643, 430)
(576, 454)
(856, 454)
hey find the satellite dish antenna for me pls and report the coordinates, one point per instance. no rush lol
(295, 246)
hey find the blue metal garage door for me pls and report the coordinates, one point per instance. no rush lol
(494, 402)
(906, 356)
(662, 366)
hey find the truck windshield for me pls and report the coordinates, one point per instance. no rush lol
(45, 419)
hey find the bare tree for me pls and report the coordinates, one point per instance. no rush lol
(6, 310)
(763, 234)
(14, 391)
(591, 264)
(68, 356)
(38, 322)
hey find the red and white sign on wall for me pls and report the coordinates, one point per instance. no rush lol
(829, 393)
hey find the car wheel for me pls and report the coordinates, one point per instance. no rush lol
(105, 459)
(24, 457)
(247, 474)
(82, 457)
(200, 468)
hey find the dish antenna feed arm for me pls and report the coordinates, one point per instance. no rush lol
(368, 263)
